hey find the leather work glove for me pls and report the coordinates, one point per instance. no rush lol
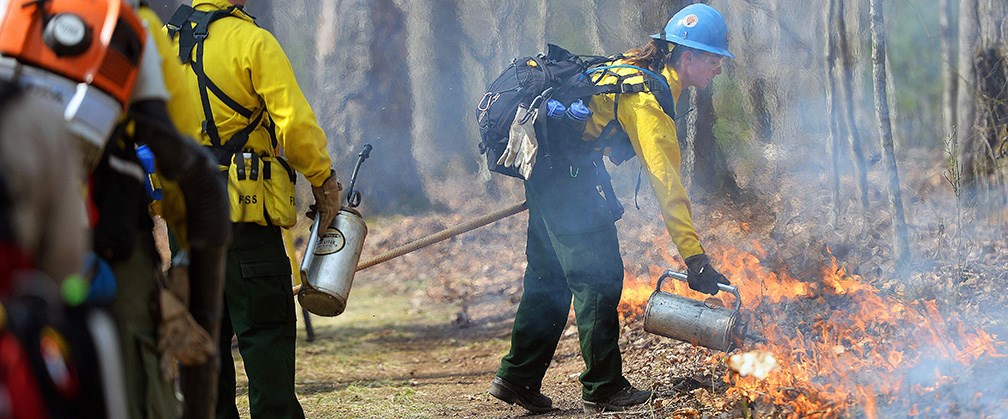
(702, 277)
(327, 200)
(180, 337)
(522, 143)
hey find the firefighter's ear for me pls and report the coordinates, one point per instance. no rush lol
(67, 34)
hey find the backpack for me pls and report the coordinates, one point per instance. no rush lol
(560, 75)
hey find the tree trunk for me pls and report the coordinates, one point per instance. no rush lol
(834, 112)
(969, 22)
(950, 83)
(987, 144)
(263, 13)
(853, 133)
(901, 245)
(441, 110)
(367, 98)
(711, 171)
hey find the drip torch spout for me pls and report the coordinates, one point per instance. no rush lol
(353, 197)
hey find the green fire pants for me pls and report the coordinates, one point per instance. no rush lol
(149, 394)
(259, 309)
(572, 251)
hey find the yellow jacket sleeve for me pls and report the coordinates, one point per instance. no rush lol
(303, 141)
(653, 136)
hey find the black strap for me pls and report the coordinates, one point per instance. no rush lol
(237, 141)
(239, 163)
(252, 173)
(231, 103)
(192, 27)
(665, 100)
(604, 181)
(636, 189)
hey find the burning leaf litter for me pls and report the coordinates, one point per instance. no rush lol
(835, 346)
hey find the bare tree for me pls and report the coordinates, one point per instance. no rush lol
(440, 109)
(853, 134)
(834, 111)
(988, 143)
(901, 245)
(366, 97)
(969, 34)
(949, 80)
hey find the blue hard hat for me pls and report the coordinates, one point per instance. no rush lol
(698, 26)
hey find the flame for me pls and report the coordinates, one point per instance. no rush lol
(840, 345)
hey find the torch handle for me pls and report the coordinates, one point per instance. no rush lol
(682, 277)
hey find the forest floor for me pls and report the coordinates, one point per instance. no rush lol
(851, 335)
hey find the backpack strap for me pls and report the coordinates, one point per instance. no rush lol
(192, 27)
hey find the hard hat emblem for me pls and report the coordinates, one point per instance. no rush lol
(690, 20)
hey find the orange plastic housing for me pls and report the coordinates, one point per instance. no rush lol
(110, 63)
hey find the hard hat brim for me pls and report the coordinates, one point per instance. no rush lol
(693, 44)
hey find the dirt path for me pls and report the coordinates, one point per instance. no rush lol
(398, 356)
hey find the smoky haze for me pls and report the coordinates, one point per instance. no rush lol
(405, 76)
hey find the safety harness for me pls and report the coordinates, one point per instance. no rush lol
(192, 27)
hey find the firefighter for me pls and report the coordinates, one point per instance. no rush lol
(64, 55)
(572, 247)
(45, 222)
(183, 326)
(261, 129)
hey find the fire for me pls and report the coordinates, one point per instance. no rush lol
(842, 349)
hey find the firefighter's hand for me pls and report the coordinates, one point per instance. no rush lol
(178, 282)
(327, 200)
(702, 277)
(180, 337)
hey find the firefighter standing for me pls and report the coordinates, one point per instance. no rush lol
(256, 120)
(572, 247)
(152, 340)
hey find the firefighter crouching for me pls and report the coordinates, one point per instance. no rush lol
(88, 74)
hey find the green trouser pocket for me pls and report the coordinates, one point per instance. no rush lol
(280, 180)
(246, 188)
(269, 291)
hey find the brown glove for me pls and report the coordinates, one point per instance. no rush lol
(327, 201)
(180, 337)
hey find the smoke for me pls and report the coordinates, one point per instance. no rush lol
(773, 123)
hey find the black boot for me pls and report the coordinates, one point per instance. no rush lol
(524, 396)
(619, 401)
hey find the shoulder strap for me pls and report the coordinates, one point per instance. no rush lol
(192, 27)
(653, 83)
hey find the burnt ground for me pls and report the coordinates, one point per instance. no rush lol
(423, 334)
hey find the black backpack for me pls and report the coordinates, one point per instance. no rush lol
(560, 75)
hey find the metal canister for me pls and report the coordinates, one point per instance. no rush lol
(330, 261)
(694, 321)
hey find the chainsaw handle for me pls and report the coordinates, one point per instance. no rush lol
(682, 277)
